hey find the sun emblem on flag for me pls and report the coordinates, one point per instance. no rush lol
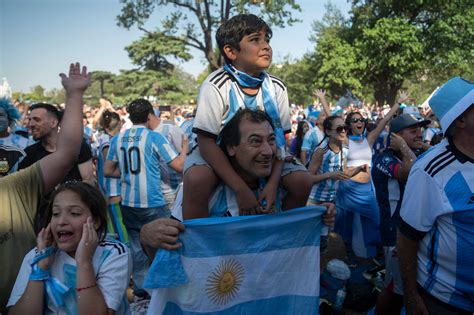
(225, 281)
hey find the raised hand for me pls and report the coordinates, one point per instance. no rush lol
(320, 93)
(78, 80)
(403, 96)
(88, 243)
(43, 240)
(397, 142)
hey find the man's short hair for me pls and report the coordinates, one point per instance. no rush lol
(230, 135)
(50, 109)
(139, 110)
(233, 30)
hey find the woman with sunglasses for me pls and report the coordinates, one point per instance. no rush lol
(327, 165)
(358, 214)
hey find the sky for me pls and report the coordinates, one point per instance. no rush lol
(39, 38)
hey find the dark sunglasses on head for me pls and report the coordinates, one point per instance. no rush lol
(356, 120)
(340, 129)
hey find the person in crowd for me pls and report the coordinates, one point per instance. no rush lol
(249, 143)
(358, 214)
(73, 268)
(170, 178)
(11, 145)
(19, 192)
(297, 141)
(243, 83)
(134, 156)
(315, 136)
(110, 186)
(389, 174)
(433, 130)
(44, 126)
(327, 166)
(436, 226)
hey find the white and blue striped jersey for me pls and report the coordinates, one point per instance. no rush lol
(112, 265)
(172, 133)
(187, 128)
(138, 151)
(14, 140)
(110, 186)
(224, 202)
(332, 162)
(438, 210)
(311, 140)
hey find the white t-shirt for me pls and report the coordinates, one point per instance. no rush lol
(438, 210)
(112, 264)
(214, 102)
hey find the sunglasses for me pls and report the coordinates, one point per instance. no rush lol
(356, 120)
(340, 129)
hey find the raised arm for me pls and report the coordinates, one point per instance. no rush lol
(321, 94)
(373, 135)
(56, 165)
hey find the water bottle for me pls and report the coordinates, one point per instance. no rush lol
(340, 297)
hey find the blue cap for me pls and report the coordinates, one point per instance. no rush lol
(451, 100)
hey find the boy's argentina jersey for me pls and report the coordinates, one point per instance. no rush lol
(442, 218)
(138, 152)
(110, 186)
(214, 103)
(332, 162)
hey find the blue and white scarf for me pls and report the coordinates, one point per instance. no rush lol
(269, 101)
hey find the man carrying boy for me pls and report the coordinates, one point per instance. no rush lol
(243, 83)
(248, 141)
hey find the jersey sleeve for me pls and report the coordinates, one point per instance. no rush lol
(165, 149)
(22, 279)
(284, 109)
(113, 276)
(306, 146)
(420, 207)
(112, 154)
(388, 165)
(210, 110)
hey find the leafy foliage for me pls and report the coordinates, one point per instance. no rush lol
(192, 23)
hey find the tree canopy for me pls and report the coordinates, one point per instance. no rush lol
(192, 23)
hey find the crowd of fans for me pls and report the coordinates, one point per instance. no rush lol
(98, 198)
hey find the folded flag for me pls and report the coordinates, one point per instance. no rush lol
(241, 265)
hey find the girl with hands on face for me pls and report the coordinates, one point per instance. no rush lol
(74, 266)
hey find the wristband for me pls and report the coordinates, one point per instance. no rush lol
(38, 274)
(85, 288)
(42, 254)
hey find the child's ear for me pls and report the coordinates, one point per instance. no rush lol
(230, 52)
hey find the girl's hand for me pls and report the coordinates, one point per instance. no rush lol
(89, 241)
(45, 239)
(339, 175)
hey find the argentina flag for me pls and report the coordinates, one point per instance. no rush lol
(241, 265)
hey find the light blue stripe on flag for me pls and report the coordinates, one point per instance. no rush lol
(241, 265)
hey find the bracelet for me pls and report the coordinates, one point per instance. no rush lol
(85, 288)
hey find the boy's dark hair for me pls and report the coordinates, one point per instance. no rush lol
(230, 135)
(51, 109)
(110, 120)
(138, 111)
(90, 196)
(233, 30)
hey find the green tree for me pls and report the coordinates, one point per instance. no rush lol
(101, 77)
(192, 23)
